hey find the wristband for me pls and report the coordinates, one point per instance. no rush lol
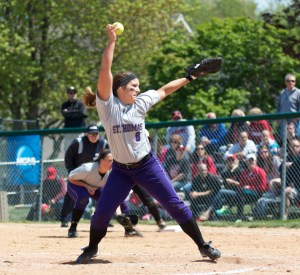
(190, 77)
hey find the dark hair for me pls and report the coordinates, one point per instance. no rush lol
(195, 158)
(269, 168)
(118, 77)
(102, 154)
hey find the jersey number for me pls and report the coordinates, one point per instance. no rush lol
(137, 136)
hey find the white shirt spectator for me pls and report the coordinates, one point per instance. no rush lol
(250, 148)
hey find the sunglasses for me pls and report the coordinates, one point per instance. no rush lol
(290, 81)
(263, 152)
(72, 93)
(174, 142)
(250, 160)
(293, 146)
(199, 148)
(93, 135)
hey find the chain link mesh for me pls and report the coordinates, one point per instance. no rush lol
(229, 172)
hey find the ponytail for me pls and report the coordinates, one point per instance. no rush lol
(89, 98)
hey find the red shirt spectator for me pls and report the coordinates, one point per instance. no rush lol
(255, 129)
(161, 155)
(255, 180)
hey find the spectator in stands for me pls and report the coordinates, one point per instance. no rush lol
(200, 156)
(271, 165)
(160, 149)
(294, 147)
(231, 136)
(180, 170)
(174, 141)
(241, 149)
(252, 185)
(292, 191)
(225, 197)
(256, 127)
(204, 188)
(270, 143)
(186, 133)
(212, 135)
(54, 189)
(289, 102)
(290, 135)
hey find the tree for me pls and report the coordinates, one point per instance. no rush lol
(202, 11)
(49, 45)
(254, 65)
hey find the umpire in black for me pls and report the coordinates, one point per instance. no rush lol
(80, 151)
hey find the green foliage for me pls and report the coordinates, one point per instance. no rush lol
(49, 45)
(202, 11)
(253, 69)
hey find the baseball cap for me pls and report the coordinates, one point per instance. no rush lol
(180, 147)
(51, 173)
(93, 128)
(231, 156)
(251, 156)
(175, 114)
(71, 89)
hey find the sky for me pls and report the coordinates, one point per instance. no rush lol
(264, 4)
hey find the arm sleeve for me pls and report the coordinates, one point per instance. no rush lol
(146, 100)
(79, 173)
(71, 152)
(203, 131)
(63, 189)
(191, 136)
(278, 107)
(250, 148)
(233, 150)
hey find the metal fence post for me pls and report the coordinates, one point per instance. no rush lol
(155, 141)
(41, 180)
(283, 172)
(37, 123)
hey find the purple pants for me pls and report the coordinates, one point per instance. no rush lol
(152, 177)
(81, 197)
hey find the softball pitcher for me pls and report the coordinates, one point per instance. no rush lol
(122, 113)
(86, 182)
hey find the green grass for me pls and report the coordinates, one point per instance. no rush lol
(19, 216)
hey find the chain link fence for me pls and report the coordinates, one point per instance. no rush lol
(239, 168)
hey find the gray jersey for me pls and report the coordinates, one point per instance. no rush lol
(88, 173)
(125, 125)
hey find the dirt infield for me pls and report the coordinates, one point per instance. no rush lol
(45, 249)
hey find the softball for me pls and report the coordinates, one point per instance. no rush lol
(118, 25)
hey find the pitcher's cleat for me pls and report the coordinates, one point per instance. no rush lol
(132, 233)
(207, 251)
(87, 255)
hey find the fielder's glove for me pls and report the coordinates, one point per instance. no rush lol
(205, 67)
